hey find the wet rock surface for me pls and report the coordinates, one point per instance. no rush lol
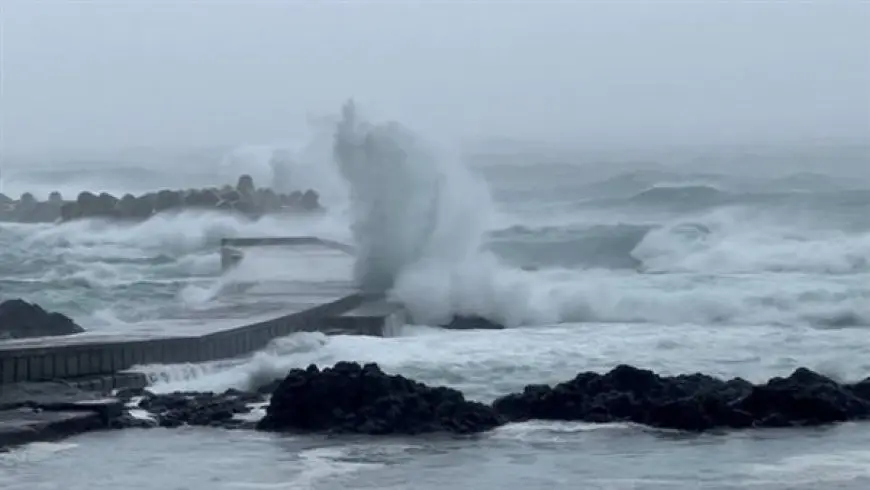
(472, 323)
(20, 319)
(206, 409)
(244, 199)
(350, 398)
(362, 399)
(694, 402)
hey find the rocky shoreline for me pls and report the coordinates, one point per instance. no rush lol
(351, 398)
(244, 199)
(20, 320)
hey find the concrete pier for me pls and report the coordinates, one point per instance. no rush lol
(231, 253)
(41, 396)
(101, 358)
(31, 412)
(42, 380)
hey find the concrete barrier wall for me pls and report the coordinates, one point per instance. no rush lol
(232, 255)
(286, 241)
(44, 363)
(109, 382)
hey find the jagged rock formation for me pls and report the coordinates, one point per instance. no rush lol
(190, 408)
(695, 402)
(362, 399)
(244, 199)
(20, 319)
(350, 398)
(473, 322)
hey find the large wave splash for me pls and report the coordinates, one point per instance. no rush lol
(410, 209)
(419, 222)
(419, 219)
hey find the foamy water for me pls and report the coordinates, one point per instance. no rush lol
(666, 271)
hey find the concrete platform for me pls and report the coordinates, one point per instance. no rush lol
(232, 254)
(101, 355)
(24, 426)
(103, 361)
(377, 318)
(46, 418)
(270, 297)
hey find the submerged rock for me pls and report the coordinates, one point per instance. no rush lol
(472, 323)
(694, 402)
(191, 408)
(351, 398)
(20, 319)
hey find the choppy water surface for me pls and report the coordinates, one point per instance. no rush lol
(524, 456)
(665, 269)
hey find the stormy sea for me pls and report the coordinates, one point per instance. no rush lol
(743, 262)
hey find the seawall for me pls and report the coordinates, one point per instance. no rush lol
(231, 253)
(101, 364)
(51, 391)
(51, 387)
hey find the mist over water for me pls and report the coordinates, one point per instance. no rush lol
(530, 245)
(669, 249)
(681, 186)
(412, 209)
(728, 274)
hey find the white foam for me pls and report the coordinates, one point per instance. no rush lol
(420, 217)
(34, 452)
(743, 240)
(487, 364)
(324, 464)
(261, 368)
(554, 432)
(843, 466)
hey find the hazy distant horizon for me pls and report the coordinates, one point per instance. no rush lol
(97, 77)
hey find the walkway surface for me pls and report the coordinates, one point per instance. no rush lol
(270, 282)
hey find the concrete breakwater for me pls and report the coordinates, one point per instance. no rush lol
(81, 357)
(57, 387)
(231, 248)
(243, 199)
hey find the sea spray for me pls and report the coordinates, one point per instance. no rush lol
(404, 206)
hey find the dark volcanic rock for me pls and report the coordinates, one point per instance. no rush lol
(269, 388)
(200, 409)
(690, 402)
(472, 323)
(350, 398)
(128, 394)
(20, 319)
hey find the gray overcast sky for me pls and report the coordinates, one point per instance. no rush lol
(113, 73)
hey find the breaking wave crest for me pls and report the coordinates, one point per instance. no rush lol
(421, 224)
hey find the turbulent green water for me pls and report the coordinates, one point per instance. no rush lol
(677, 271)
